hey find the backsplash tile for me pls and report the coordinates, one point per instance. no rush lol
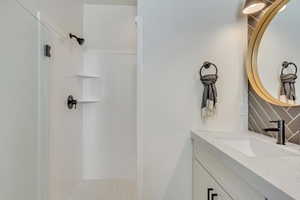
(261, 112)
(294, 111)
(294, 124)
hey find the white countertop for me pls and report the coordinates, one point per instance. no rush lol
(261, 157)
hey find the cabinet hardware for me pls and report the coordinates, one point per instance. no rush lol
(214, 195)
(209, 190)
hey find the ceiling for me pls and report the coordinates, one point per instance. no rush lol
(113, 2)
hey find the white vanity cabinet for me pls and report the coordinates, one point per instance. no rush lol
(210, 172)
(205, 187)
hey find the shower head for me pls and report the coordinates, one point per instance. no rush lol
(79, 40)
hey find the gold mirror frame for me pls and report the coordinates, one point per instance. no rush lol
(254, 44)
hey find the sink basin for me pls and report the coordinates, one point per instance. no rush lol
(253, 147)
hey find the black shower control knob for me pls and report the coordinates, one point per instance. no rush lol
(72, 102)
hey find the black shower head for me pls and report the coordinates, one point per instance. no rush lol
(79, 40)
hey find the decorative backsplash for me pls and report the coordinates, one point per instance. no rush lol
(261, 112)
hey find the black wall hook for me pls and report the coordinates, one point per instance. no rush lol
(207, 65)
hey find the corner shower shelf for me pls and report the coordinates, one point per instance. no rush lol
(83, 75)
(88, 100)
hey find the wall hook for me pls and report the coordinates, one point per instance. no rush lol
(207, 65)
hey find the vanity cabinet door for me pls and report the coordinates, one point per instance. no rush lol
(201, 182)
(204, 186)
(222, 195)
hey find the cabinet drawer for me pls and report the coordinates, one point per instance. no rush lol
(238, 188)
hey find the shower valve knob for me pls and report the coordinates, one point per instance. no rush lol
(72, 103)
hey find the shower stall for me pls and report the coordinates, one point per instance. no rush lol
(109, 125)
(51, 152)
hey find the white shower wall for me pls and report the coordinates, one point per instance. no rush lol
(109, 126)
(110, 27)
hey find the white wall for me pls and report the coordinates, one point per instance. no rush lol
(110, 27)
(25, 150)
(178, 36)
(65, 126)
(66, 14)
(110, 126)
(112, 2)
(18, 104)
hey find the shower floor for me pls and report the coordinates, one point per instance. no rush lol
(105, 190)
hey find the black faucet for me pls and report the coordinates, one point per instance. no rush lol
(280, 130)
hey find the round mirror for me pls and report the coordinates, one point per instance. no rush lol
(272, 62)
(279, 55)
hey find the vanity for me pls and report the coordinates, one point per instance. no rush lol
(248, 165)
(244, 166)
